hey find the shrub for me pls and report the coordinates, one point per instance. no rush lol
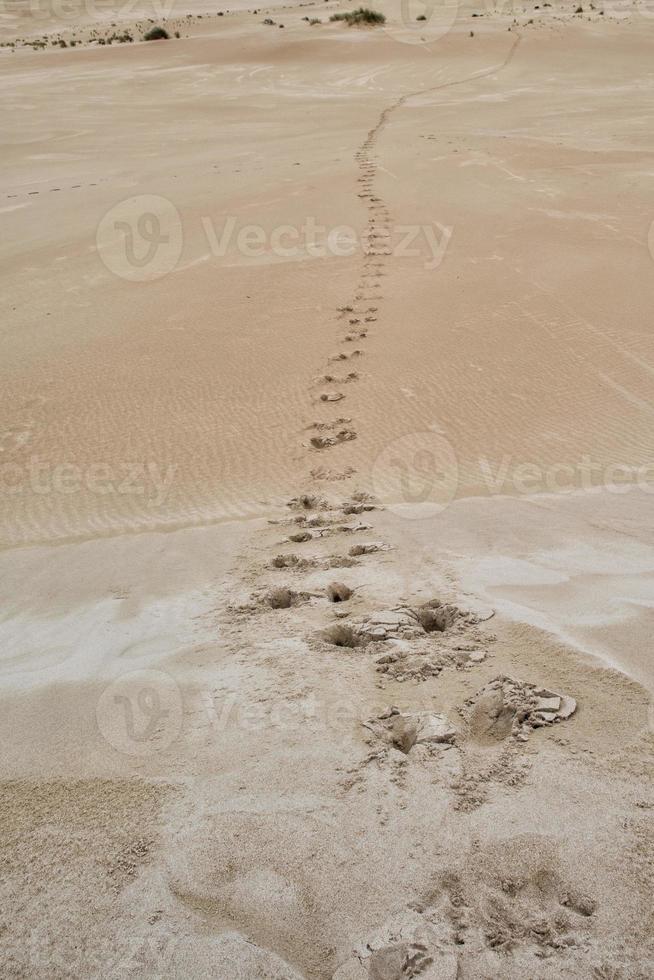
(422, 17)
(362, 15)
(314, 20)
(156, 34)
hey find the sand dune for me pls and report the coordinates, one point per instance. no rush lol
(326, 493)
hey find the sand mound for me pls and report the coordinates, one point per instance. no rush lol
(406, 729)
(506, 707)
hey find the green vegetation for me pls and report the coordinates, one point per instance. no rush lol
(362, 15)
(156, 34)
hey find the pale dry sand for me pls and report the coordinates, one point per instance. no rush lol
(189, 788)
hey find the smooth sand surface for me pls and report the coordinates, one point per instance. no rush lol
(196, 784)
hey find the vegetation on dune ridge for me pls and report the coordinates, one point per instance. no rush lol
(362, 15)
(156, 34)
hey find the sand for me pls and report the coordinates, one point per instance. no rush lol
(326, 552)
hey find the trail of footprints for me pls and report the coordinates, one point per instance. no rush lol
(321, 534)
(358, 315)
(412, 641)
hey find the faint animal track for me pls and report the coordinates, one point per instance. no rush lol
(325, 442)
(332, 379)
(343, 356)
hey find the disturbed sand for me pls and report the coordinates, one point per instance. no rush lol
(210, 768)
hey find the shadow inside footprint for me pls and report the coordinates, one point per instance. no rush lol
(340, 635)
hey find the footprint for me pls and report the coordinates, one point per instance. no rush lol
(324, 442)
(342, 356)
(332, 379)
(308, 501)
(328, 426)
(300, 537)
(323, 473)
(367, 548)
(284, 598)
(340, 635)
(338, 592)
(291, 561)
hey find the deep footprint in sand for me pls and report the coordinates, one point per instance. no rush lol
(340, 635)
(281, 598)
(368, 548)
(300, 537)
(338, 592)
(436, 617)
(355, 507)
(510, 708)
(308, 501)
(292, 561)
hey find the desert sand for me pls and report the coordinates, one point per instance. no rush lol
(326, 490)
